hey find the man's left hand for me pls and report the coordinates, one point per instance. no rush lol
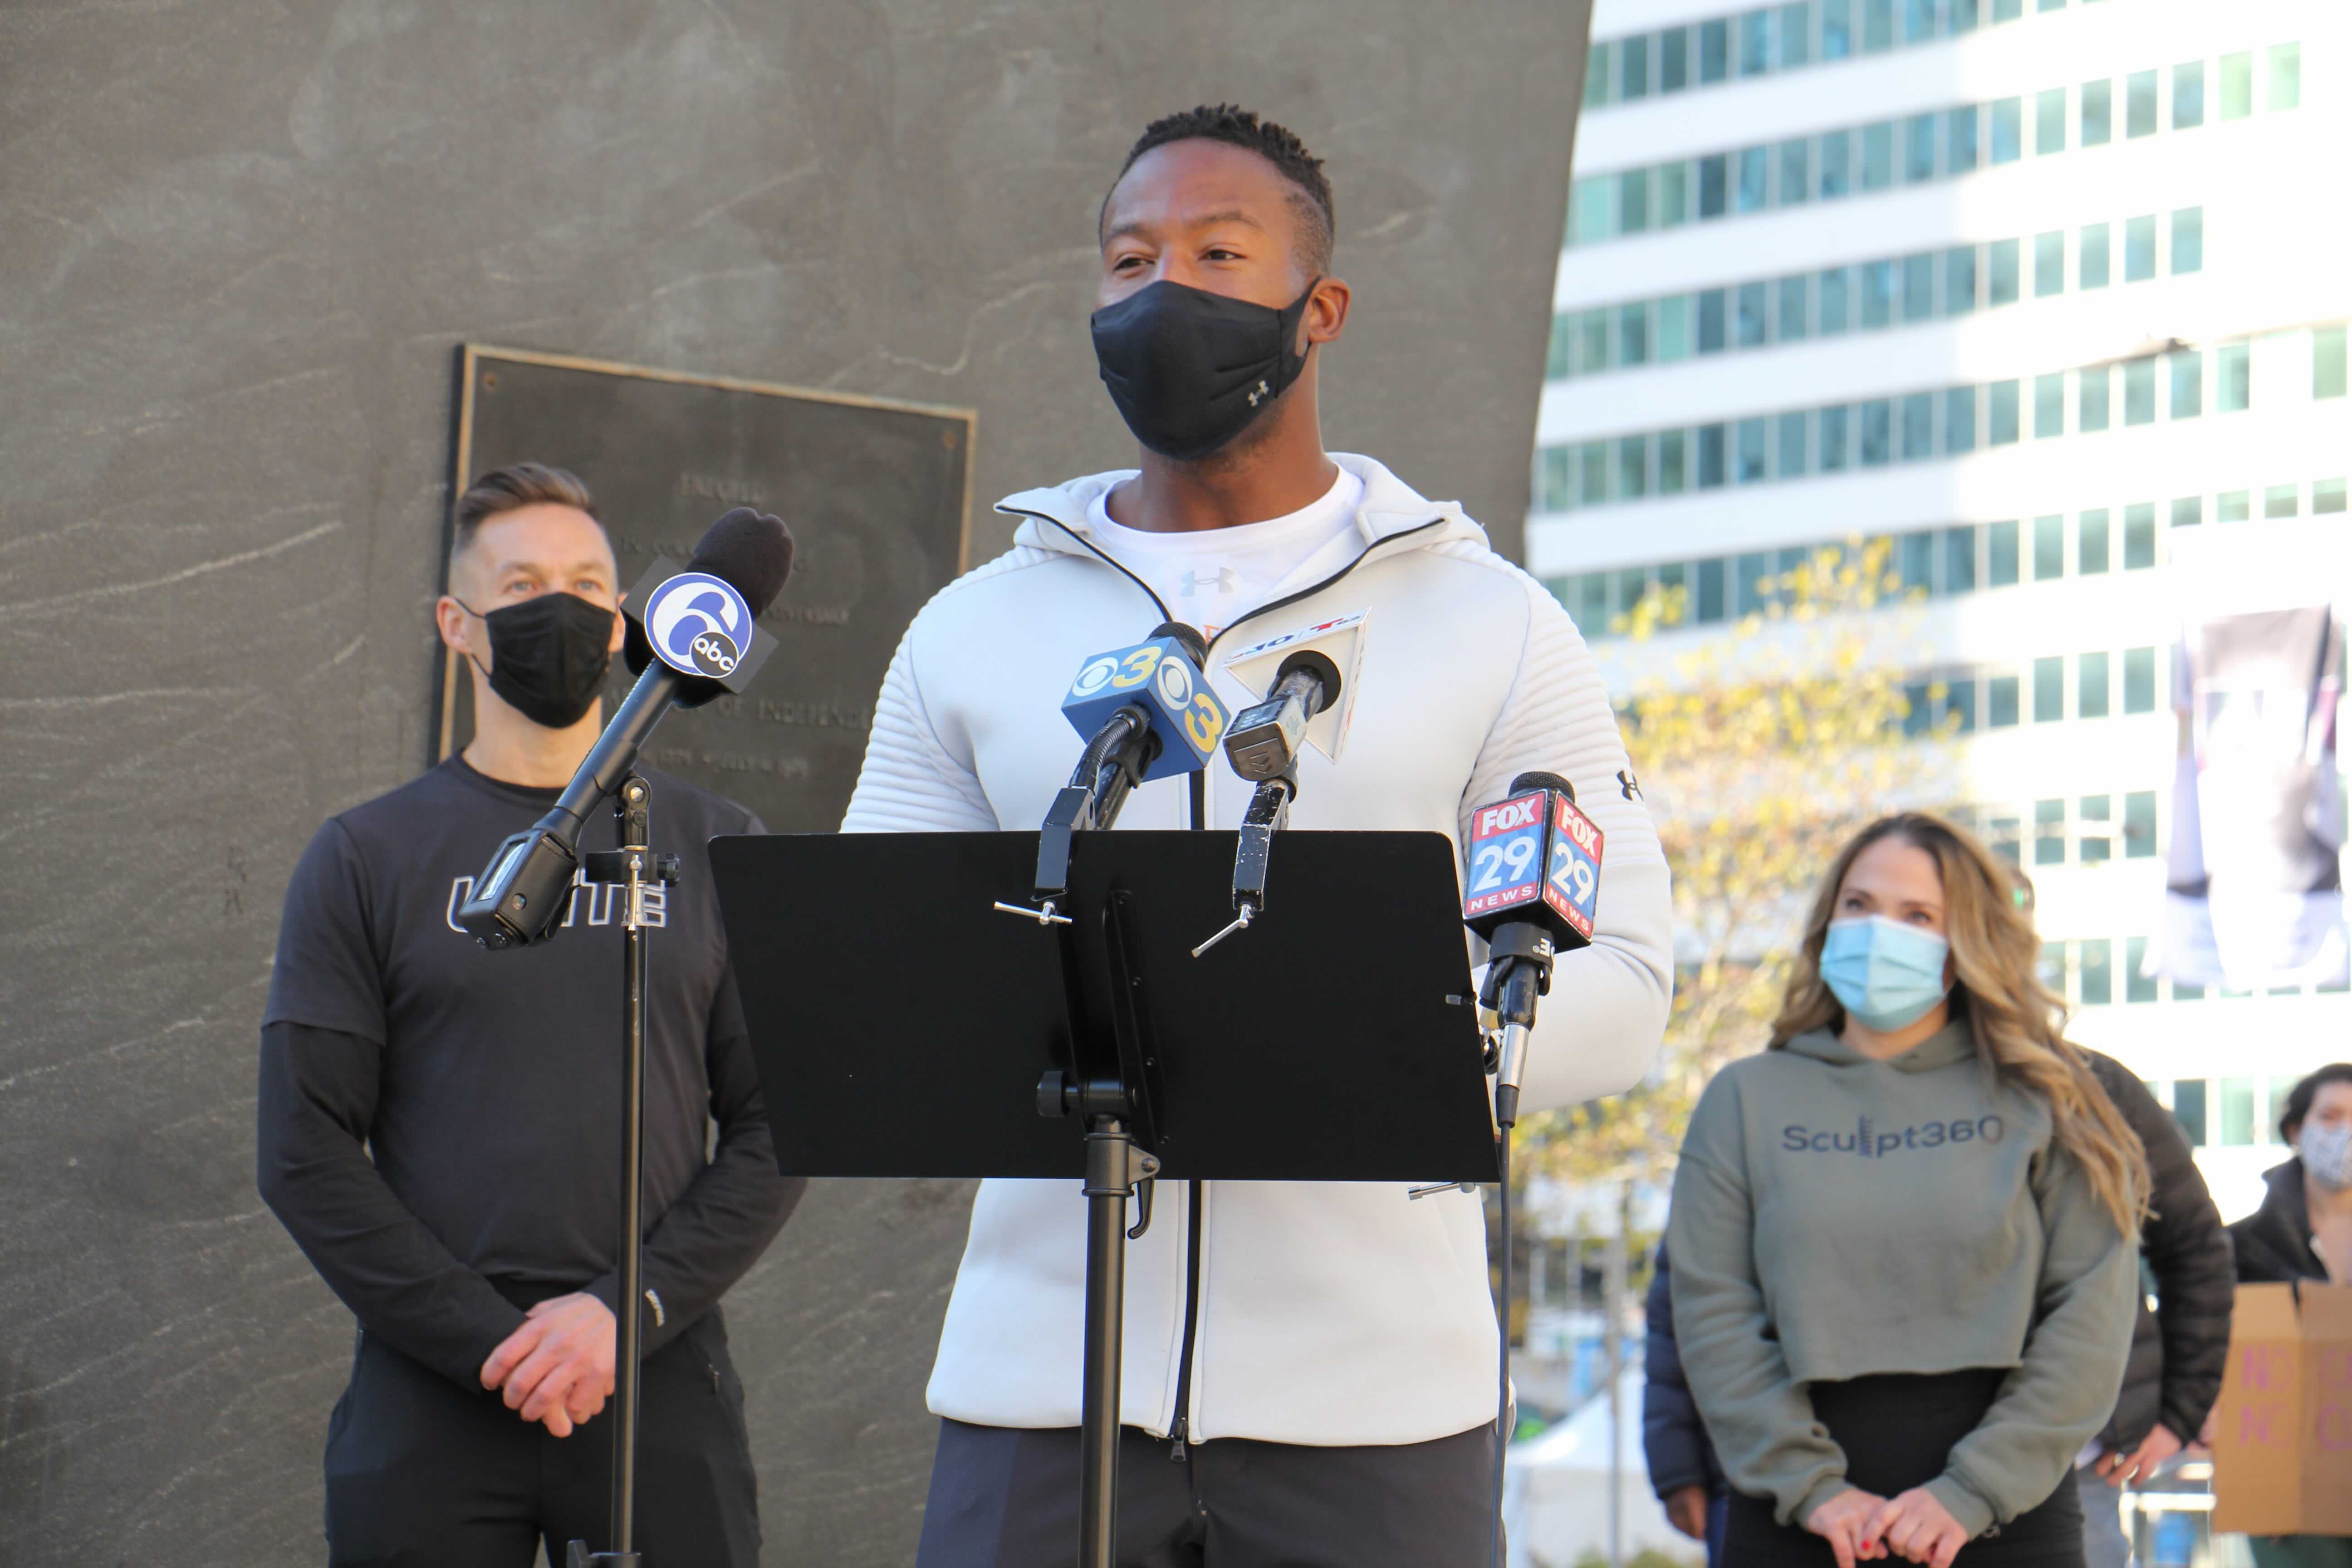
(558, 1367)
(2140, 1464)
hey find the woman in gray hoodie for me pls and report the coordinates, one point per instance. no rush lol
(1904, 1272)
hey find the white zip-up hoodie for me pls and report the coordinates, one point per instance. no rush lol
(1327, 1313)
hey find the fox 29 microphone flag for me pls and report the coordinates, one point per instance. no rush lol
(1534, 857)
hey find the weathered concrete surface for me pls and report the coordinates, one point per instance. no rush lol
(238, 241)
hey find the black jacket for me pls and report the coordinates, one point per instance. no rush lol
(1674, 1439)
(2179, 1350)
(2274, 1243)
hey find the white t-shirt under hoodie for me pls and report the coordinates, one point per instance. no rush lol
(1208, 577)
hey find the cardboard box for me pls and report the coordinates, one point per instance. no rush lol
(2283, 1430)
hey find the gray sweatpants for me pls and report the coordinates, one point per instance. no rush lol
(1003, 1497)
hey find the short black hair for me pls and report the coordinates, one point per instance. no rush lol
(1278, 146)
(2299, 1098)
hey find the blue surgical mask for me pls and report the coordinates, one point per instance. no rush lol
(1884, 973)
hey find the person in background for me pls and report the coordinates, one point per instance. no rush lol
(2304, 1231)
(2180, 1348)
(1683, 1471)
(437, 1124)
(1904, 1267)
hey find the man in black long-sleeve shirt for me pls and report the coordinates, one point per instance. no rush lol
(478, 1246)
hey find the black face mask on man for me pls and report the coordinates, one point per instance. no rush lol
(1190, 368)
(548, 655)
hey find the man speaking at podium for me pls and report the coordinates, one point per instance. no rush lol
(478, 1246)
(1309, 1368)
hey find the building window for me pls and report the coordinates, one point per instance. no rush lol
(1792, 446)
(2327, 361)
(2188, 95)
(1959, 280)
(1710, 322)
(2001, 554)
(2091, 412)
(2232, 505)
(2236, 86)
(1714, 185)
(2188, 511)
(2139, 536)
(1673, 59)
(1877, 26)
(1877, 433)
(2050, 840)
(1918, 427)
(1920, 287)
(1790, 316)
(2003, 421)
(2188, 240)
(1837, 178)
(2098, 970)
(1960, 139)
(2001, 702)
(2090, 686)
(1755, 577)
(1833, 440)
(2188, 383)
(1751, 451)
(2048, 407)
(2049, 690)
(1837, 29)
(2139, 390)
(2049, 263)
(2049, 549)
(1877, 156)
(1634, 334)
(2286, 77)
(2002, 270)
(2233, 374)
(1749, 321)
(2098, 100)
(2091, 256)
(1961, 559)
(2008, 117)
(1959, 420)
(2138, 986)
(2326, 496)
(1796, 33)
(2139, 248)
(1632, 467)
(1710, 591)
(1710, 457)
(2139, 104)
(2091, 543)
(1714, 50)
(1595, 465)
(2049, 122)
(2139, 824)
(2139, 680)
(1919, 149)
(2279, 501)
(2236, 1120)
(1755, 169)
(2188, 1105)
(1671, 474)
(1796, 171)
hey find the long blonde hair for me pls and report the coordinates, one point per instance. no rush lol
(2014, 1018)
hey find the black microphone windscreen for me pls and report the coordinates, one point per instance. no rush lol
(1528, 780)
(750, 550)
(1193, 642)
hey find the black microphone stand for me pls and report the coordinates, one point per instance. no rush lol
(635, 869)
(1115, 1105)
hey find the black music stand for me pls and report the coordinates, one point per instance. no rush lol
(905, 1026)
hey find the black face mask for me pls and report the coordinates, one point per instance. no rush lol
(549, 655)
(1190, 368)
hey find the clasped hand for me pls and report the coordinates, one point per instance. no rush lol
(557, 1369)
(1861, 1526)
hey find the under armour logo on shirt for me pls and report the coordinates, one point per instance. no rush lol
(1630, 785)
(1263, 391)
(1224, 580)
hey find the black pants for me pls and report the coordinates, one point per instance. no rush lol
(1898, 1432)
(422, 1473)
(1008, 1498)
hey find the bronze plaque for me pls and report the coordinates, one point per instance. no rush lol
(876, 494)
